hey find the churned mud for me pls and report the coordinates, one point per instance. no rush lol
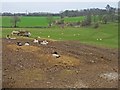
(79, 65)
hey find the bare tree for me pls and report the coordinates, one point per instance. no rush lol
(15, 20)
(50, 20)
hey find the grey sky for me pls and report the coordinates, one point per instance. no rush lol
(16, 7)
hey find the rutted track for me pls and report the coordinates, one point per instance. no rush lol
(79, 66)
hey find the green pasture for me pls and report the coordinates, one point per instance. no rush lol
(108, 33)
(27, 21)
(30, 21)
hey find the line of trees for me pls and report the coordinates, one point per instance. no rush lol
(29, 14)
(68, 13)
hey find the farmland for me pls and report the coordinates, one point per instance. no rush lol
(56, 45)
(83, 51)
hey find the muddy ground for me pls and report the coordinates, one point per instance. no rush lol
(80, 65)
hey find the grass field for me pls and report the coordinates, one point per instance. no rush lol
(108, 33)
(35, 20)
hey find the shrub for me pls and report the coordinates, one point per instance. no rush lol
(85, 23)
(96, 25)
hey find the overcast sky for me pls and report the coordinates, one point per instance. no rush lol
(53, 7)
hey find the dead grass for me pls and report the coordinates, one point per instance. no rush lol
(23, 48)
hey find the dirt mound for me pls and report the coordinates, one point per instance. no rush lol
(69, 61)
(62, 61)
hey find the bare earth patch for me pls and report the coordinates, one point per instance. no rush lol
(79, 65)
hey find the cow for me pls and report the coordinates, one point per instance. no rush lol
(21, 33)
(14, 32)
(24, 33)
(27, 44)
(44, 42)
(35, 41)
(55, 54)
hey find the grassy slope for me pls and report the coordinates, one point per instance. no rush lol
(108, 33)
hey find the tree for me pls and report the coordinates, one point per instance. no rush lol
(50, 20)
(15, 20)
(108, 7)
(100, 17)
(105, 19)
(110, 13)
(89, 19)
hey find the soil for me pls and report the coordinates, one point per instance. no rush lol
(79, 65)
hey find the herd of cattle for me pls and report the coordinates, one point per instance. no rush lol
(28, 34)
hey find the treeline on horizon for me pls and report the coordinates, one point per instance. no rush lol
(69, 13)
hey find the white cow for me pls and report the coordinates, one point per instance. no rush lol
(44, 42)
(27, 44)
(35, 41)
